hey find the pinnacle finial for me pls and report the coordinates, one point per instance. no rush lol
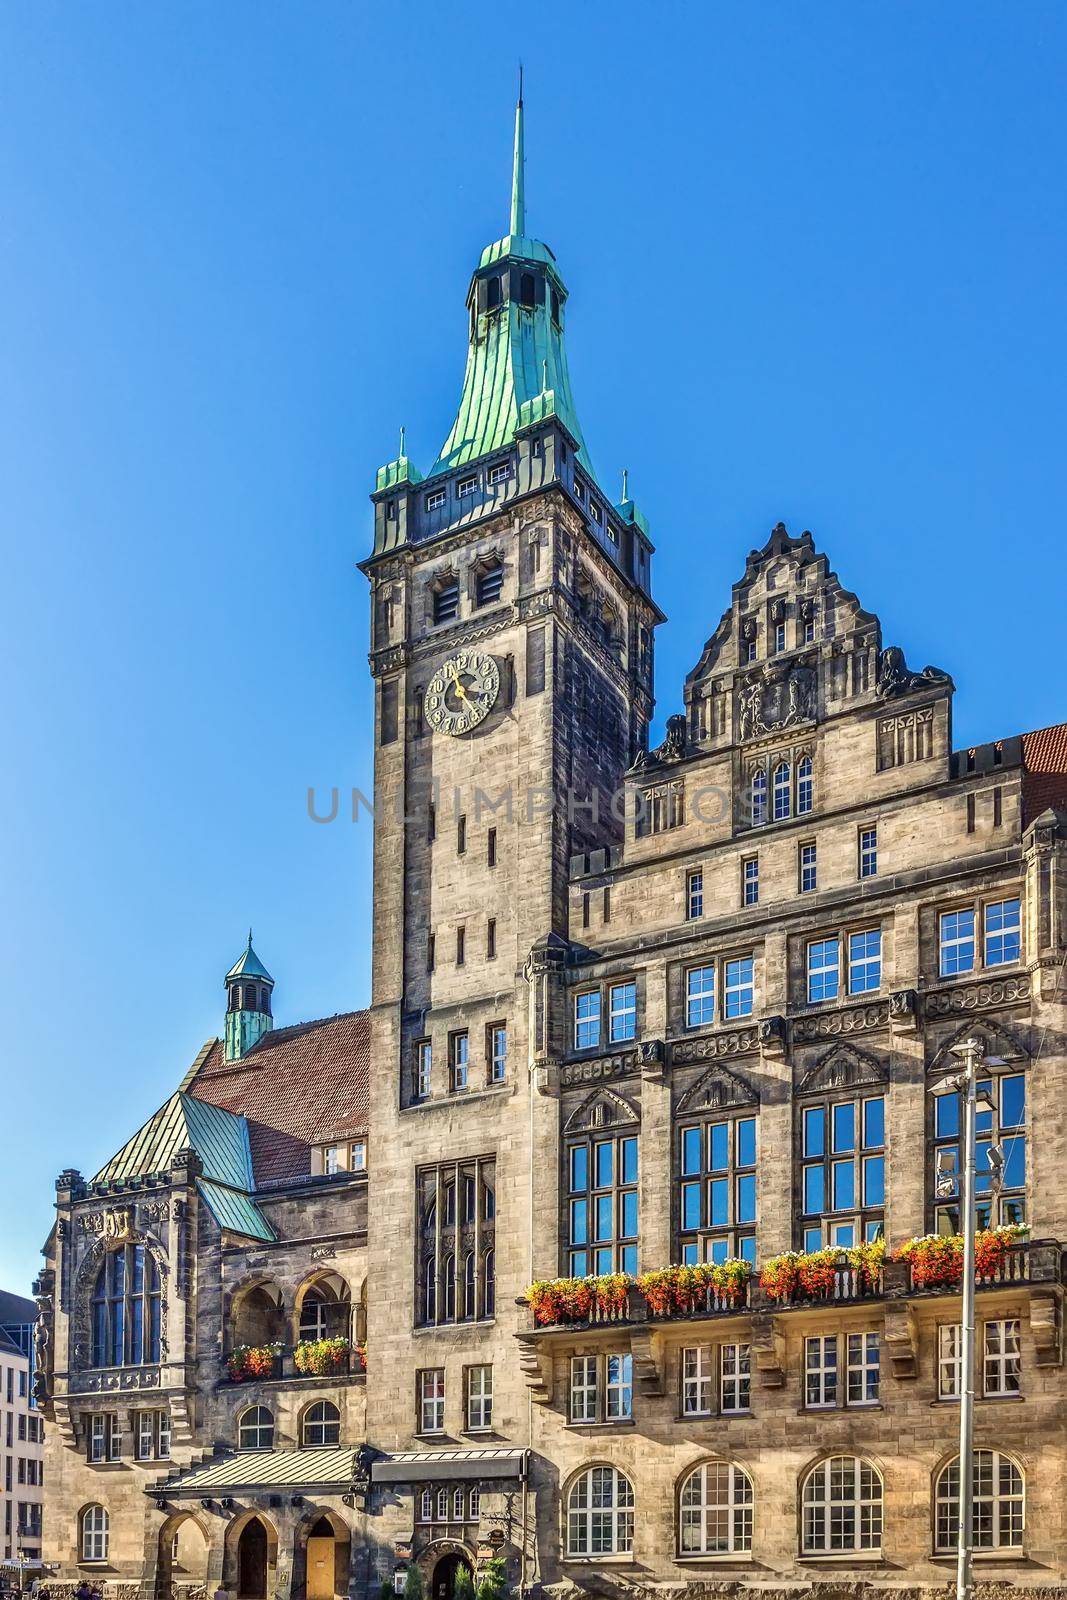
(625, 485)
(250, 938)
(518, 176)
(402, 432)
(544, 376)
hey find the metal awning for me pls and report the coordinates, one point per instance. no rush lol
(437, 1466)
(328, 1471)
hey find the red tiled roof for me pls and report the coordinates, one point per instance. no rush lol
(1044, 771)
(297, 1087)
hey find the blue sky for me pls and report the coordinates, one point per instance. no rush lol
(816, 263)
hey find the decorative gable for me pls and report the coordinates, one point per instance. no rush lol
(996, 1042)
(602, 1109)
(843, 1067)
(718, 1090)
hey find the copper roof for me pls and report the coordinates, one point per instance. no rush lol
(297, 1087)
(1045, 771)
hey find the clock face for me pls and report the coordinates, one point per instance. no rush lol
(462, 692)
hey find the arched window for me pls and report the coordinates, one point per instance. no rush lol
(426, 1506)
(95, 1533)
(715, 1510)
(321, 1425)
(492, 295)
(999, 1503)
(469, 1285)
(474, 1504)
(759, 798)
(600, 1514)
(126, 1309)
(448, 1266)
(490, 1203)
(429, 1292)
(780, 788)
(805, 786)
(842, 1507)
(489, 1284)
(526, 289)
(450, 1204)
(313, 1315)
(442, 1505)
(255, 1429)
(458, 1505)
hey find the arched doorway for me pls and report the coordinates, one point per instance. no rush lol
(252, 1561)
(443, 1583)
(182, 1562)
(321, 1561)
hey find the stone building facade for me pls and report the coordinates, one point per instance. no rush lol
(629, 1009)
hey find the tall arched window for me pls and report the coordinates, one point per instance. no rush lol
(313, 1315)
(780, 797)
(715, 1510)
(448, 1266)
(321, 1424)
(95, 1533)
(255, 1429)
(489, 1284)
(442, 1505)
(759, 798)
(600, 1514)
(469, 1284)
(429, 1290)
(999, 1503)
(842, 1507)
(805, 786)
(126, 1309)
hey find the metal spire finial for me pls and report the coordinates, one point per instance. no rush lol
(544, 376)
(402, 431)
(250, 938)
(518, 175)
(625, 485)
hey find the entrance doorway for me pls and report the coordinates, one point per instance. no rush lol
(252, 1561)
(445, 1573)
(321, 1562)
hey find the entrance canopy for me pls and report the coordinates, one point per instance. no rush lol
(330, 1471)
(435, 1466)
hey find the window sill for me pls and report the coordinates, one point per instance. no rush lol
(844, 1410)
(435, 1102)
(611, 1422)
(716, 1558)
(712, 1416)
(599, 1561)
(855, 1558)
(1015, 1557)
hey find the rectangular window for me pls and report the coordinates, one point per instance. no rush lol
(735, 1377)
(490, 848)
(750, 881)
(699, 996)
(808, 871)
(696, 1381)
(824, 970)
(779, 637)
(587, 1019)
(864, 961)
(868, 852)
(956, 943)
(583, 1389)
(659, 808)
(479, 1398)
(490, 581)
(863, 1369)
(1002, 933)
(331, 1159)
(620, 1388)
(716, 1167)
(105, 1439)
(466, 487)
(423, 1063)
(1005, 1127)
(490, 939)
(998, 807)
(949, 1360)
(820, 1371)
(357, 1155)
(809, 629)
(842, 1172)
(431, 1396)
(390, 709)
(748, 651)
(602, 1206)
(436, 499)
(461, 835)
(694, 895)
(739, 989)
(458, 1060)
(498, 1052)
(622, 1012)
(1000, 1361)
(145, 1437)
(461, 946)
(499, 474)
(597, 514)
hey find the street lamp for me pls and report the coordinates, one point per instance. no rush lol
(965, 1083)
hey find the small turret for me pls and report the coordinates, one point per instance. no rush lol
(248, 1014)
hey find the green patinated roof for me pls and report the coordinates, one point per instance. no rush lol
(248, 965)
(266, 1469)
(236, 1212)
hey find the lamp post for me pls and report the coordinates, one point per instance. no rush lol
(965, 1083)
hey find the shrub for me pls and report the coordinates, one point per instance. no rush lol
(413, 1583)
(493, 1583)
(463, 1586)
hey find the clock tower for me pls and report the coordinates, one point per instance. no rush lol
(511, 651)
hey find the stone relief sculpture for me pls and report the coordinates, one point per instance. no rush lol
(776, 698)
(895, 676)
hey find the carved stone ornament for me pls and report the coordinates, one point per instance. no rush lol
(597, 1071)
(833, 1024)
(773, 1033)
(777, 696)
(717, 1090)
(672, 749)
(652, 1058)
(895, 676)
(710, 1046)
(843, 1067)
(977, 996)
(995, 1040)
(603, 1109)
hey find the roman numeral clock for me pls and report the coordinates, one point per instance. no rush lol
(462, 692)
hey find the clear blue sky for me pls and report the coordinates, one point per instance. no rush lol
(816, 262)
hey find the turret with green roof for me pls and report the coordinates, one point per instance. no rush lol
(248, 1005)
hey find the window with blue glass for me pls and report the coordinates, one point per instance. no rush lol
(587, 1019)
(842, 1171)
(126, 1309)
(1006, 1126)
(717, 1189)
(781, 791)
(805, 786)
(738, 989)
(759, 797)
(622, 1012)
(602, 1205)
(824, 970)
(956, 942)
(808, 868)
(1003, 941)
(865, 961)
(959, 949)
(699, 996)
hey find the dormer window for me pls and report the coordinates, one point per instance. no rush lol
(489, 585)
(579, 489)
(446, 600)
(435, 500)
(595, 511)
(499, 474)
(466, 486)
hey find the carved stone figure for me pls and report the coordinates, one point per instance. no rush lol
(896, 678)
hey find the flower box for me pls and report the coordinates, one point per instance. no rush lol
(321, 1358)
(680, 1291)
(559, 1301)
(247, 1362)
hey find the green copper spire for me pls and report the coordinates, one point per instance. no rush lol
(518, 174)
(516, 358)
(248, 1009)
